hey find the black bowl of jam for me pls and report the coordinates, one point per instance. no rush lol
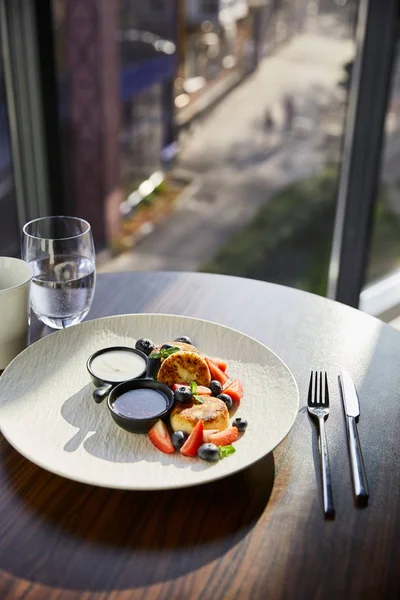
(137, 404)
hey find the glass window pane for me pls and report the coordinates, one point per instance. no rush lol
(385, 248)
(207, 135)
(9, 229)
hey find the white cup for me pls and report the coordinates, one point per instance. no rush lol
(15, 279)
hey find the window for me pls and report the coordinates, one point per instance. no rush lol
(9, 228)
(209, 144)
(385, 249)
(381, 296)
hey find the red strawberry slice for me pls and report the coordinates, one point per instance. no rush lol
(221, 364)
(160, 437)
(177, 385)
(207, 433)
(216, 372)
(202, 390)
(225, 437)
(234, 390)
(194, 440)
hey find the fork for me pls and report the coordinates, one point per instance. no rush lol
(318, 407)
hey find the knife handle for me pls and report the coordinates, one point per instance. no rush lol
(357, 465)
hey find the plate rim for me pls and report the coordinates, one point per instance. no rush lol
(136, 487)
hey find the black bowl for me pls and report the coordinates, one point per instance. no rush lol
(104, 386)
(132, 424)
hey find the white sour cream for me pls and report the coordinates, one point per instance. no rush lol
(117, 365)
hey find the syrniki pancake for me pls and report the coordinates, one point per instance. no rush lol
(184, 367)
(213, 412)
(180, 345)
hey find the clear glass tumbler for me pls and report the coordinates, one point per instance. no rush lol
(62, 255)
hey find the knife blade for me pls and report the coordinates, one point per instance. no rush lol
(350, 397)
(351, 407)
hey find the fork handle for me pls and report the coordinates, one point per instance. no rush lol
(357, 466)
(329, 508)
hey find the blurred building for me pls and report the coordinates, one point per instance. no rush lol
(116, 64)
(130, 74)
(217, 47)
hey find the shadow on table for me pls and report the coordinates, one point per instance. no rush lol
(81, 537)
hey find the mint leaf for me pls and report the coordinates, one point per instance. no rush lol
(224, 451)
(165, 352)
(168, 351)
(198, 398)
(193, 387)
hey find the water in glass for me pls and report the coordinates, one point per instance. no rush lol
(62, 289)
(61, 253)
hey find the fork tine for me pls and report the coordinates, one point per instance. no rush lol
(326, 390)
(321, 399)
(314, 398)
(309, 399)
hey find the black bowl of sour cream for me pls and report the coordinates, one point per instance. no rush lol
(137, 404)
(110, 366)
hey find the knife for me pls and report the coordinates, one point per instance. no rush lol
(352, 410)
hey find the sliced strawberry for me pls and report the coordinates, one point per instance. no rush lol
(160, 437)
(207, 433)
(176, 385)
(226, 384)
(234, 390)
(194, 440)
(216, 372)
(225, 437)
(202, 390)
(221, 364)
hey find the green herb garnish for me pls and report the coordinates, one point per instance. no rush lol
(193, 389)
(198, 399)
(224, 451)
(165, 352)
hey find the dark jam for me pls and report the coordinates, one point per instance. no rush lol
(140, 404)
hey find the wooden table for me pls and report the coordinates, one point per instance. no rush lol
(259, 534)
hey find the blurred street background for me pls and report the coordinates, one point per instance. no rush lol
(206, 135)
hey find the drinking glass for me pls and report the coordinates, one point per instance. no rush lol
(61, 253)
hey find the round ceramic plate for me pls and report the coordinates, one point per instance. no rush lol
(47, 412)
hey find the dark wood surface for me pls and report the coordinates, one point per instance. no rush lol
(259, 534)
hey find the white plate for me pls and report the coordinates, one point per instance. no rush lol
(47, 412)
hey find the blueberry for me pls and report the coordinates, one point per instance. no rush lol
(183, 394)
(184, 339)
(241, 424)
(166, 346)
(227, 399)
(178, 439)
(215, 387)
(208, 452)
(145, 345)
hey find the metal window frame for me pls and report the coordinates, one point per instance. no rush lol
(382, 298)
(376, 37)
(24, 86)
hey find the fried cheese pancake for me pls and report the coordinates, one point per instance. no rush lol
(184, 367)
(213, 412)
